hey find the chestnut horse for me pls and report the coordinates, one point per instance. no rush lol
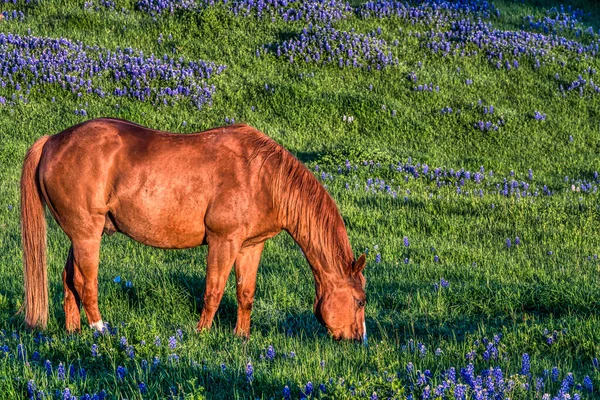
(231, 188)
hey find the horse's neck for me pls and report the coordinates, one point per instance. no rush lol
(324, 241)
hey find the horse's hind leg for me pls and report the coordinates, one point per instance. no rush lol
(222, 252)
(86, 257)
(246, 267)
(73, 285)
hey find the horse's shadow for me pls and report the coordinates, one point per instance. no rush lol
(296, 324)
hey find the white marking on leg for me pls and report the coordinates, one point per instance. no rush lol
(99, 326)
(364, 332)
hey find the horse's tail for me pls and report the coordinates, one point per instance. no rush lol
(33, 238)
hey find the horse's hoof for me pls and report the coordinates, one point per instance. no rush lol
(244, 335)
(98, 326)
(71, 331)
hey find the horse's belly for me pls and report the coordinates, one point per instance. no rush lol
(172, 227)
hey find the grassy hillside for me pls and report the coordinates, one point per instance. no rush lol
(460, 141)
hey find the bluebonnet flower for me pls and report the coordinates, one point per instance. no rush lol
(451, 375)
(525, 366)
(287, 394)
(322, 388)
(157, 341)
(422, 349)
(94, 350)
(249, 372)
(142, 387)
(587, 384)
(130, 352)
(308, 389)
(468, 375)
(373, 396)
(539, 384)
(555, 374)
(426, 392)
(270, 353)
(21, 351)
(48, 367)
(60, 371)
(459, 392)
(172, 342)
(31, 388)
(36, 356)
(490, 352)
(121, 372)
(567, 383)
(406, 243)
(421, 379)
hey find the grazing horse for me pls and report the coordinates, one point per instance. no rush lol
(231, 188)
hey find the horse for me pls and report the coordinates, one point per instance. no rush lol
(231, 188)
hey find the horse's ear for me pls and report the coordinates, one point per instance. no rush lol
(359, 264)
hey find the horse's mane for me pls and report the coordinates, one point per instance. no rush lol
(306, 209)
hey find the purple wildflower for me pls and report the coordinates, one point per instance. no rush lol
(249, 373)
(525, 367)
(60, 371)
(121, 371)
(308, 389)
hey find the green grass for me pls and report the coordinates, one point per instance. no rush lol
(517, 292)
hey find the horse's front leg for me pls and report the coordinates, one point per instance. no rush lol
(222, 251)
(246, 267)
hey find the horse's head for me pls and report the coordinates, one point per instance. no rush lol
(341, 308)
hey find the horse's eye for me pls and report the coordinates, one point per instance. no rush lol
(361, 303)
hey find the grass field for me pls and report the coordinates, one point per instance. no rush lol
(480, 224)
